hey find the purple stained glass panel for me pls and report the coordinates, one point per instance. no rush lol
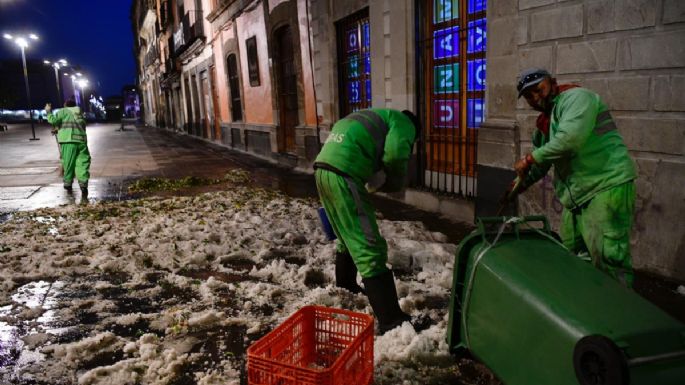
(446, 113)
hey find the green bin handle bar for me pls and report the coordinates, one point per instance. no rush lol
(483, 221)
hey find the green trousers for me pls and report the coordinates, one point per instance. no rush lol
(602, 228)
(75, 160)
(353, 219)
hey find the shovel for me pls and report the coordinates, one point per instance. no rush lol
(59, 148)
(509, 195)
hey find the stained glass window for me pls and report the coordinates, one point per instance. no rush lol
(452, 45)
(354, 45)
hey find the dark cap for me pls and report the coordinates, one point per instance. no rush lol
(530, 77)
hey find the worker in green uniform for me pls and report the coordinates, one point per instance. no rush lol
(71, 135)
(360, 147)
(594, 176)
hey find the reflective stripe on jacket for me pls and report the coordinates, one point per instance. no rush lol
(584, 146)
(369, 141)
(70, 124)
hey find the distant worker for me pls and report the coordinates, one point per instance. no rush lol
(71, 135)
(360, 146)
(594, 176)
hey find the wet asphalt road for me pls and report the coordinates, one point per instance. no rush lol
(29, 175)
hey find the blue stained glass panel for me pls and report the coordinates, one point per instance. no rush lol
(477, 5)
(352, 37)
(368, 90)
(477, 36)
(354, 94)
(367, 64)
(474, 112)
(476, 74)
(366, 35)
(446, 43)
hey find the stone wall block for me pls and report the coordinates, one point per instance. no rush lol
(658, 245)
(634, 14)
(600, 16)
(662, 136)
(674, 11)
(522, 30)
(589, 56)
(495, 154)
(536, 57)
(526, 123)
(557, 23)
(505, 43)
(502, 99)
(499, 8)
(669, 93)
(664, 50)
(622, 94)
(527, 4)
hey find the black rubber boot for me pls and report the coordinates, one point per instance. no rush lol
(84, 189)
(68, 188)
(346, 273)
(383, 299)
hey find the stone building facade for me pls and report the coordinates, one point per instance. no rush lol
(270, 78)
(631, 52)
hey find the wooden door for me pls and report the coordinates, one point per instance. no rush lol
(287, 89)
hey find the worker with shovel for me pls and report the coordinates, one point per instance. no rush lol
(71, 135)
(361, 145)
(593, 172)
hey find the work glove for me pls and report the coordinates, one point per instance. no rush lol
(376, 182)
(48, 108)
(522, 166)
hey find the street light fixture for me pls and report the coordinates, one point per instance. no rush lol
(61, 63)
(23, 43)
(83, 84)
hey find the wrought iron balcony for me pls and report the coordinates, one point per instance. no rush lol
(151, 56)
(190, 30)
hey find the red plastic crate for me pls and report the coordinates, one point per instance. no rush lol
(315, 346)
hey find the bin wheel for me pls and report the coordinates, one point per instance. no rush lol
(598, 361)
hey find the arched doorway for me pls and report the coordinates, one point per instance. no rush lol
(286, 80)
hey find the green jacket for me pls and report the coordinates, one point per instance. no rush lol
(70, 124)
(584, 146)
(360, 146)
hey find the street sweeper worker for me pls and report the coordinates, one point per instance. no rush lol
(594, 176)
(360, 147)
(71, 135)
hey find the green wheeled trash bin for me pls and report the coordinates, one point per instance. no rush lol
(536, 314)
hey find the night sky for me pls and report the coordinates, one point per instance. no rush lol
(94, 34)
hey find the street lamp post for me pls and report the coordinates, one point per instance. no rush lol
(23, 43)
(57, 65)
